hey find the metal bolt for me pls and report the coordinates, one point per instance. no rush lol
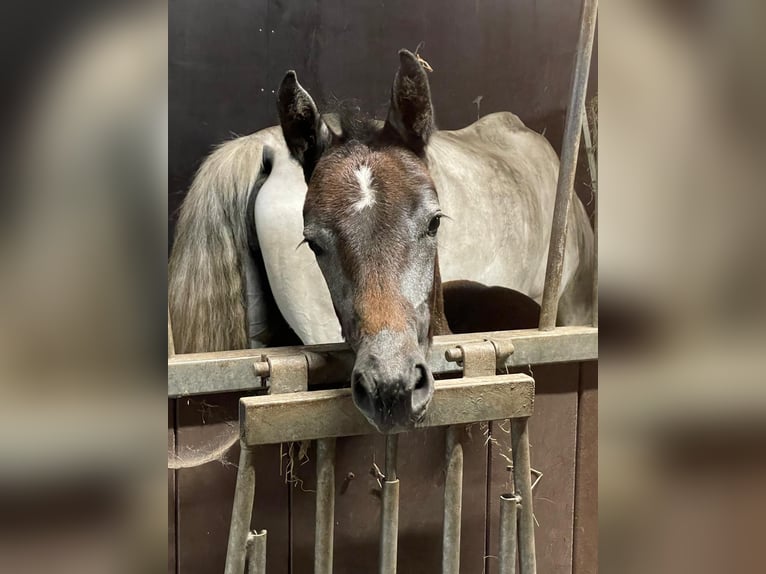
(262, 369)
(454, 355)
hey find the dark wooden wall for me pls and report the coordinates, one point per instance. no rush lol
(226, 61)
(563, 447)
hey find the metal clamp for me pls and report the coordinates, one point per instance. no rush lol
(284, 373)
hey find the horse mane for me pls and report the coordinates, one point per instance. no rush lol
(206, 276)
(352, 124)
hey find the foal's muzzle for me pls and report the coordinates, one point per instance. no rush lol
(391, 383)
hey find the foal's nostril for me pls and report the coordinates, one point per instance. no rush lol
(362, 393)
(422, 378)
(422, 391)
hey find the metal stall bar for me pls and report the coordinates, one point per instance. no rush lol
(325, 506)
(171, 342)
(568, 167)
(479, 359)
(256, 552)
(242, 513)
(285, 374)
(508, 517)
(389, 515)
(271, 419)
(231, 371)
(593, 168)
(522, 479)
(453, 502)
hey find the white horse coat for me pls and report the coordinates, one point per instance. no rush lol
(496, 180)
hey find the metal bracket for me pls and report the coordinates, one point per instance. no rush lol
(284, 373)
(482, 358)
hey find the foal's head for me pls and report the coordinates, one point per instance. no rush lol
(371, 216)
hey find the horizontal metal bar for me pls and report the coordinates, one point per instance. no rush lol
(230, 371)
(270, 419)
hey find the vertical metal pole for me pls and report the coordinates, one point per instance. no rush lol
(453, 502)
(523, 483)
(256, 552)
(595, 263)
(389, 516)
(325, 506)
(171, 343)
(508, 507)
(392, 455)
(593, 168)
(241, 513)
(568, 167)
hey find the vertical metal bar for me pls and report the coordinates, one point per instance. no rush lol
(568, 167)
(389, 528)
(171, 342)
(593, 168)
(325, 506)
(392, 454)
(453, 502)
(523, 484)
(241, 513)
(389, 516)
(256, 552)
(590, 152)
(595, 263)
(507, 555)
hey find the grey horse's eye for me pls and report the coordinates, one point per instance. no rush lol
(433, 225)
(314, 247)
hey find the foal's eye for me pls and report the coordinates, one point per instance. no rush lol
(433, 225)
(314, 247)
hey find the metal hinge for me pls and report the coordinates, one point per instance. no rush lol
(284, 373)
(482, 358)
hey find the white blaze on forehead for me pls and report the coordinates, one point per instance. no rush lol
(363, 176)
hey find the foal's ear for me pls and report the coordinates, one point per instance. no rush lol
(306, 134)
(411, 113)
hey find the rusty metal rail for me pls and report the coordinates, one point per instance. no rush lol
(248, 369)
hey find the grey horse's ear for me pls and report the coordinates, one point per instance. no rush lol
(306, 134)
(411, 114)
